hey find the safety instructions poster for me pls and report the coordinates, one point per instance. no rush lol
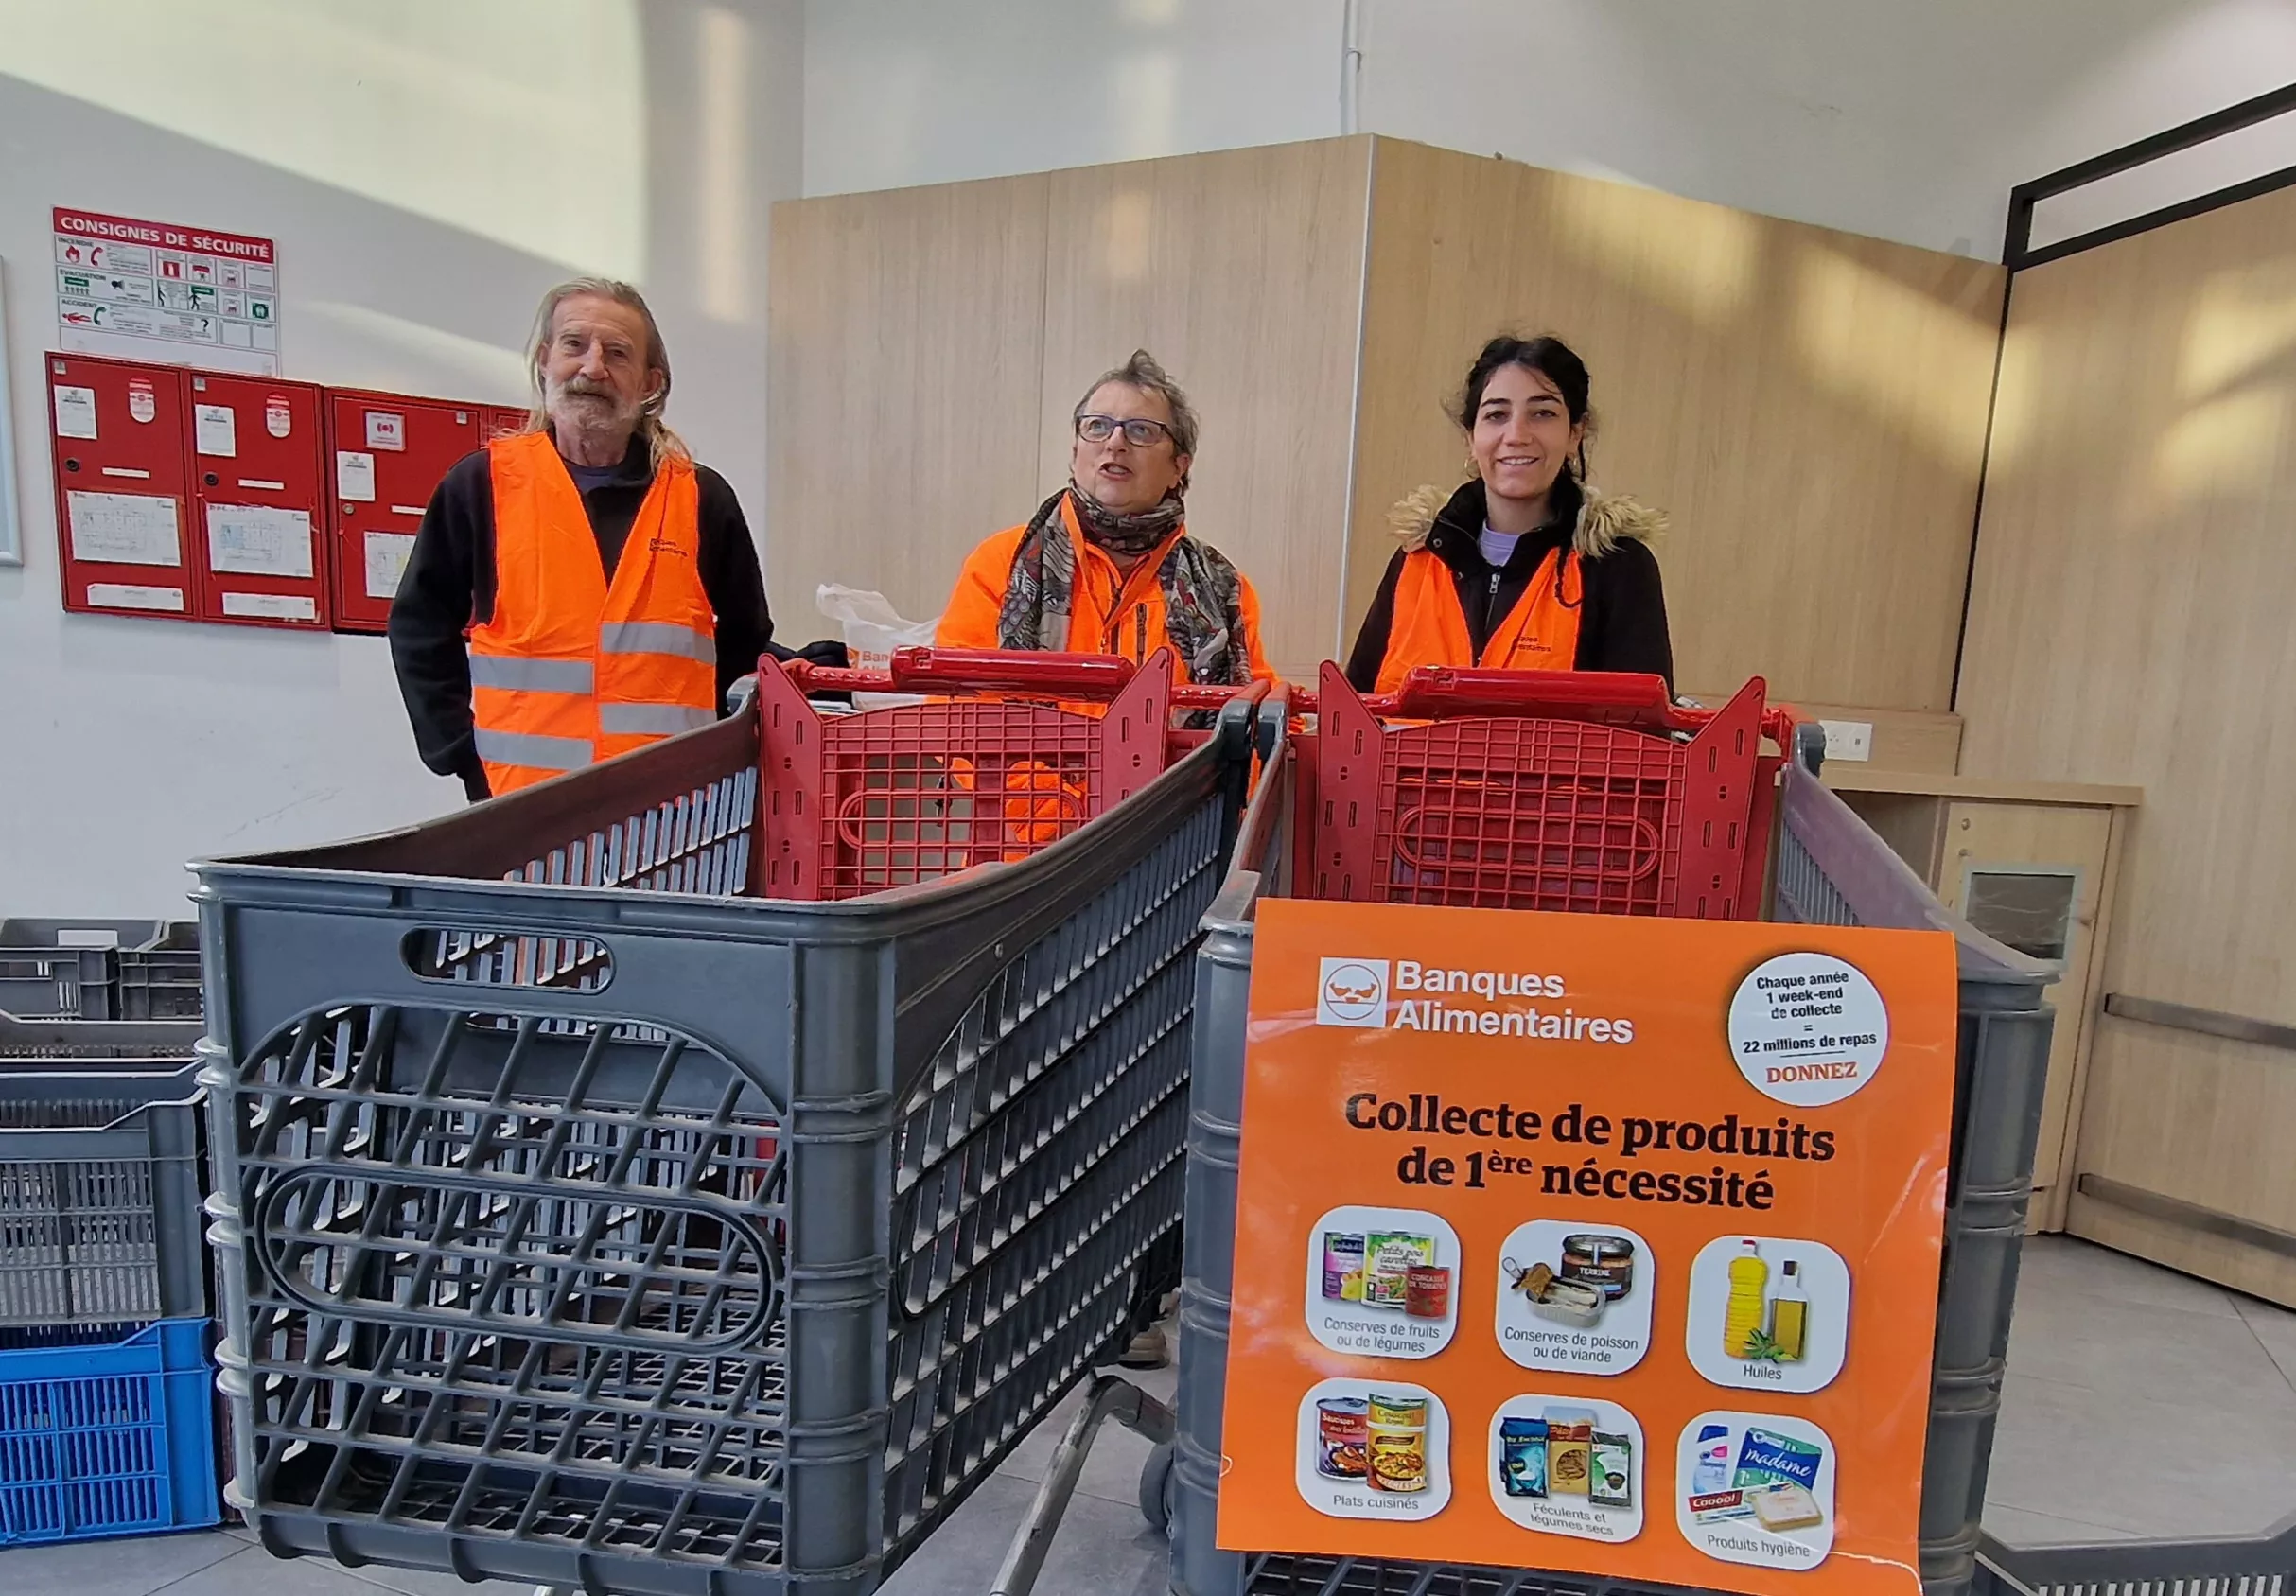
(153, 290)
(1589, 1243)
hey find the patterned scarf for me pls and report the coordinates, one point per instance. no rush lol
(1202, 594)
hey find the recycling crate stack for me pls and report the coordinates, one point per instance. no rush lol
(695, 1173)
(107, 1398)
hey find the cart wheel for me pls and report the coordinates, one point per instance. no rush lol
(1156, 1489)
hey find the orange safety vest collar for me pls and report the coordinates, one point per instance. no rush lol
(1540, 633)
(570, 669)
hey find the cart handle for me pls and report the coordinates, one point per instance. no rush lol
(981, 670)
(1447, 693)
(1429, 692)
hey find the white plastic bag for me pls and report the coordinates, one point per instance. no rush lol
(872, 630)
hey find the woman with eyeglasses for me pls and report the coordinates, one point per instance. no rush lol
(1528, 566)
(1106, 565)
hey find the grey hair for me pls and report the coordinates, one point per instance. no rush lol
(661, 443)
(1142, 372)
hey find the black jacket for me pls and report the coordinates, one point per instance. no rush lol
(449, 587)
(1622, 620)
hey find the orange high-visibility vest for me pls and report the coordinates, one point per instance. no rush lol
(1540, 633)
(570, 671)
(1110, 611)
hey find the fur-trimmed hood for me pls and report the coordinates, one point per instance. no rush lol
(1605, 521)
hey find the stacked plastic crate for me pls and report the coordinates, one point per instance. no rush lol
(106, 1391)
(99, 969)
(693, 1176)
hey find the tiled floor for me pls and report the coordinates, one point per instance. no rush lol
(2139, 1402)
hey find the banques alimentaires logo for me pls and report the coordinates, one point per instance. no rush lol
(1352, 992)
(1357, 993)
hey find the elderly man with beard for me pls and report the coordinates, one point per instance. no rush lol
(583, 587)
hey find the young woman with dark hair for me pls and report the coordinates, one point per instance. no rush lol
(1526, 567)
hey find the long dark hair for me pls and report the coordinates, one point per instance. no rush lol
(1559, 364)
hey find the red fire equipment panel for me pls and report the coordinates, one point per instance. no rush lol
(387, 452)
(258, 500)
(119, 433)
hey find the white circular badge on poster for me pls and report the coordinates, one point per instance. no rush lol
(1808, 1028)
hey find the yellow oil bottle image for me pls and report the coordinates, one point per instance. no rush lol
(1743, 1314)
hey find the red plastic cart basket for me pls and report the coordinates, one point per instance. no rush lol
(1011, 753)
(1574, 791)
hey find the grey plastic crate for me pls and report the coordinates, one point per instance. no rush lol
(655, 1238)
(99, 969)
(2262, 1565)
(44, 974)
(1829, 868)
(161, 979)
(99, 1192)
(95, 1043)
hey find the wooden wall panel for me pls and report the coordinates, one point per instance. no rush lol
(905, 362)
(2130, 623)
(1809, 406)
(1243, 273)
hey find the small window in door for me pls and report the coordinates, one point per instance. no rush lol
(2029, 909)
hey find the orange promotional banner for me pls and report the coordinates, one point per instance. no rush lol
(1588, 1243)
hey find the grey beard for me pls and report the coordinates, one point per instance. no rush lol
(591, 416)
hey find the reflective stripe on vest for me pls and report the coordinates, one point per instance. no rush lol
(536, 753)
(570, 670)
(532, 675)
(656, 636)
(654, 720)
(1540, 633)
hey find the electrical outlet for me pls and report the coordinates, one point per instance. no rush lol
(1849, 739)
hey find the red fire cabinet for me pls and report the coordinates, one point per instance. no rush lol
(501, 421)
(258, 502)
(387, 452)
(118, 433)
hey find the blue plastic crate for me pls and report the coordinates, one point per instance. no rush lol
(105, 1430)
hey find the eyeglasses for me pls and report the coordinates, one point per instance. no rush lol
(1140, 434)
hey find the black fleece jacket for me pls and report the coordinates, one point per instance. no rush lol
(449, 587)
(1621, 621)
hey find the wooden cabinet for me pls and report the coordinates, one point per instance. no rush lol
(2034, 866)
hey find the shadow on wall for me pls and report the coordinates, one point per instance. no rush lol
(429, 170)
(420, 279)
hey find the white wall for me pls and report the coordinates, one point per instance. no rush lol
(426, 168)
(1909, 122)
(430, 166)
(903, 92)
(1905, 121)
